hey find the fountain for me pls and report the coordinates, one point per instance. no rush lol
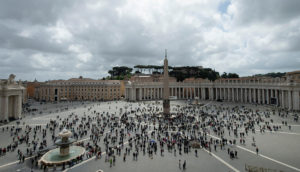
(65, 153)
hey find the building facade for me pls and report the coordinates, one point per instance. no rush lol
(30, 89)
(79, 89)
(283, 92)
(11, 99)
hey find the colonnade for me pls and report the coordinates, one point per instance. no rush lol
(285, 98)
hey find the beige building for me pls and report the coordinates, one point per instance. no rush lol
(79, 89)
(11, 99)
(283, 92)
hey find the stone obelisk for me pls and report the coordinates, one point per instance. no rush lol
(166, 101)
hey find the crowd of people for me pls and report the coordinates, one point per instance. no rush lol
(142, 130)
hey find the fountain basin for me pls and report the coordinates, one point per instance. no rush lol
(54, 157)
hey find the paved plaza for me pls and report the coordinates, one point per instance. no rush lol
(134, 128)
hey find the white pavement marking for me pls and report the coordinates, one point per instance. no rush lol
(20, 125)
(274, 160)
(221, 160)
(207, 103)
(293, 125)
(282, 132)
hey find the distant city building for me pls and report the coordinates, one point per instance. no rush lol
(283, 92)
(30, 89)
(79, 89)
(11, 98)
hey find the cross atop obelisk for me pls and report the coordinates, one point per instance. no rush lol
(165, 53)
(166, 101)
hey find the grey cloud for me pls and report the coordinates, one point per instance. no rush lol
(266, 11)
(110, 33)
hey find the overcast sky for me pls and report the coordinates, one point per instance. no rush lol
(60, 39)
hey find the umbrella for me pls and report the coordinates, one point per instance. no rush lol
(152, 141)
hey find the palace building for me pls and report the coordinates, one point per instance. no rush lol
(283, 92)
(79, 89)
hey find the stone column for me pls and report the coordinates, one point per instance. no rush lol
(194, 92)
(250, 95)
(146, 93)
(290, 99)
(5, 108)
(254, 95)
(238, 94)
(140, 94)
(228, 94)
(263, 96)
(246, 95)
(161, 93)
(296, 100)
(241, 95)
(134, 94)
(174, 91)
(232, 93)
(130, 94)
(268, 96)
(276, 96)
(158, 93)
(282, 104)
(19, 107)
(185, 93)
(153, 93)
(259, 96)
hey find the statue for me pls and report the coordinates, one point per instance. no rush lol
(11, 79)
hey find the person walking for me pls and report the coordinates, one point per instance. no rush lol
(110, 162)
(184, 165)
(257, 150)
